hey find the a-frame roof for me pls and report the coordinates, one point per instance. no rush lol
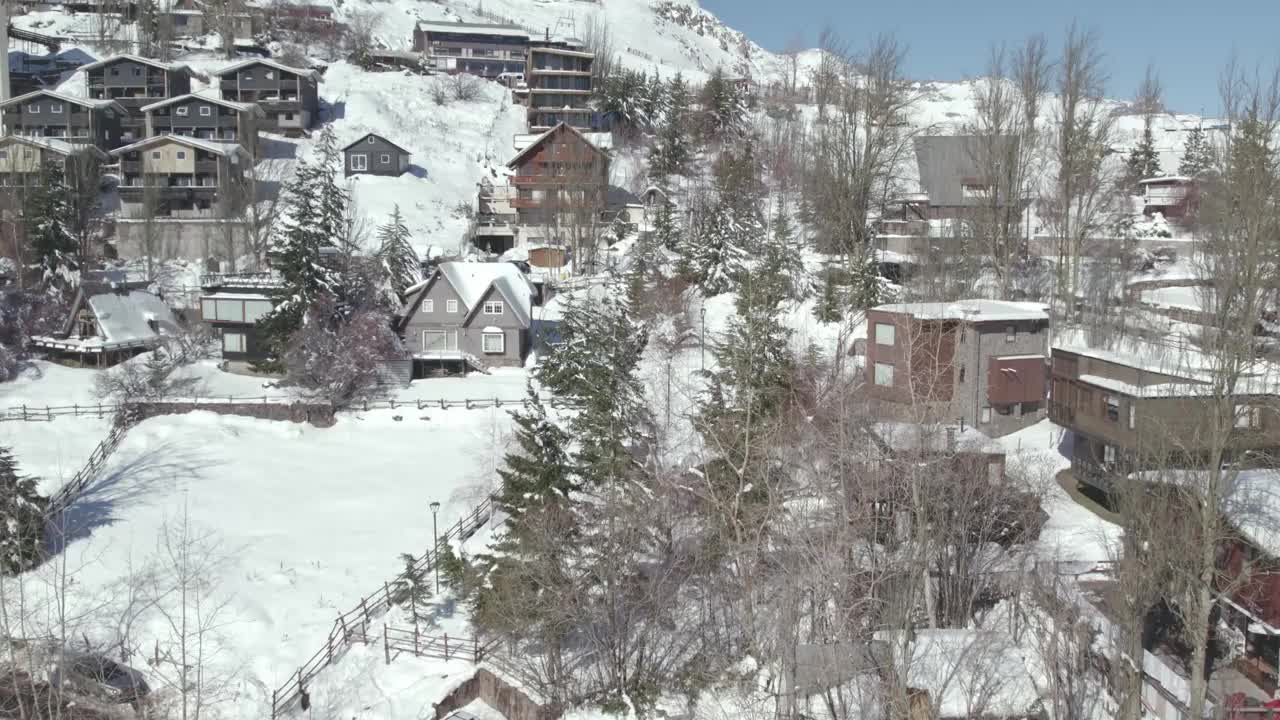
(171, 67)
(83, 102)
(237, 106)
(544, 137)
(361, 139)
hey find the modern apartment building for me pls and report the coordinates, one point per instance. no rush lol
(481, 49)
(135, 82)
(182, 177)
(289, 96)
(47, 114)
(558, 76)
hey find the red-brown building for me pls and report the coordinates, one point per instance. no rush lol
(980, 363)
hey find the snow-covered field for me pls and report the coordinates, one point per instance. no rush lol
(301, 522)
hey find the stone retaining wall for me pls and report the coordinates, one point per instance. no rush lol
(318, 414)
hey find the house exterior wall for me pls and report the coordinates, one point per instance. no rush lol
(472, 52)
(374, 148)
(559, 82)
(222, 123)
(941, 370)
(21, 159)
(469, 332)
(51, 117)
(252, 84)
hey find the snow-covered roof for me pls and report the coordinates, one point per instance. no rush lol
(62, 147)
(602, 140)
(471, 280)
(380, 137)
(172, 67)
(1165, 179)
(237, 106)
(1251, 501)
(972, 310)
(233, 67)
(217, 148)
(84, 102)
(533, 145)
(904, 436)
(474, 28)
(969, 673)
(126, 317)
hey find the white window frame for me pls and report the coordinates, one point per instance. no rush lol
(1108, 401)
(428, 306)
(1247, 417)
(182, 154)
(359, 162)
(156, 154)
(237, 346)
(1133, 415)
(206, 111)
(1011, 333)
(55, 107)
(371, 140)
(1109, 455)
(485, 339)
(181, 110)
(269, 75)
(451, 306)
(886, 334)
(4, 154)
(985, 417)
(883, 374)
(384, 158)
(492, 307)
(33, 109)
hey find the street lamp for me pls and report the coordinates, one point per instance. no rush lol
(435, 536)
(702, 338)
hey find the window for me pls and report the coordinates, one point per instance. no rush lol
(1109, 455)
(254, 309)
(493, 343)
(55, 108)
(384, 158)
(974, 190)
(182, 154)
(359, 162)
(205, 111)
(270, 74)
(1113, 407)
(961, 373)
(115, 72)
(33, 109)
(1010, 334)
(886, 334)
(428, 306)
(137, 72)
(155, 154)
(986, 415)
(232, 342)
(1133, 415)
(884, 374)
(247, 75)
(1248, 417)
(181, 111)
(4, 154)
(493, 307)
(451, 306)
(369, 140)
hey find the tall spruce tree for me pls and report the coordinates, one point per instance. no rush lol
(724, 108)
(397, 254)
(1197, 156)
(829, 306)
(672, 154)
(47, 216)
(22, 521)
(539, 470)
(666, 229)
(1144, 160)
(413, 590)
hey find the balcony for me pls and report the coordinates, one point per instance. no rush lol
(557, 180)
(1165, 196)
(525, 203)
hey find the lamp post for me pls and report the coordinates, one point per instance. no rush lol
(702, 337)
(435, 536)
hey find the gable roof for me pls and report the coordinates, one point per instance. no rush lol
(533, 146)
(218, 148)
(62, 147)
(473, 28)
(237, 106)
(86, 102)
(233, 67)
(977, 310)
(472, 281)
(383, 139)
(123, 315)
(946, 162)
(171, 67)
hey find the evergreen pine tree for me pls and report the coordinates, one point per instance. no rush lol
(666, 230)
(397, 254)
(828, 307)
(539, 470)
(711, 256)
(412, 590)
(724, 108)
(47, 216)
(1197, 156)
(779, 270)
(671, 154)
(1144, 160)
(22, 509)
(864, 279)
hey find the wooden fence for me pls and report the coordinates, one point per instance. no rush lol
(70, 491)
(352, 626)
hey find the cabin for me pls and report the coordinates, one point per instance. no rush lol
(135, 82)
(981, 363)
(468, 314)
(289, 96)
(47, 114)
(232, 304)
(374, 155)
(109, 321)
(206, 118)
(176, 176)
(1174, 196)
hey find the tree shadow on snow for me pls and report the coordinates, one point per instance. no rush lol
(418, 171)
(118, 486)
(335, 111)
(272, 149)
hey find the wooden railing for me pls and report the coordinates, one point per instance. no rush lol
(352, 626)
(68, 493)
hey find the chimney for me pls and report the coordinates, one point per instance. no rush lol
(4, 51)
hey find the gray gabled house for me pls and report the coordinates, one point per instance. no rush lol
(289, 96)
(374, 155)
(47, 114)
(206, 118)
(473, 314)
(135, 81)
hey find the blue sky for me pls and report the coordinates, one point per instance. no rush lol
(1188, 40)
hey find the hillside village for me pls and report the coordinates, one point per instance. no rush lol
(582, 358)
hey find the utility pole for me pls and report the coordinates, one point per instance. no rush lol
(4, 51)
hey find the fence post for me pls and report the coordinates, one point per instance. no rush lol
(343, 621)
(24, 413)
(386, 644)
(415, 639)
(442, 405)
(468, 403)
(328, 647)
(446, 646)
(387, 589)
